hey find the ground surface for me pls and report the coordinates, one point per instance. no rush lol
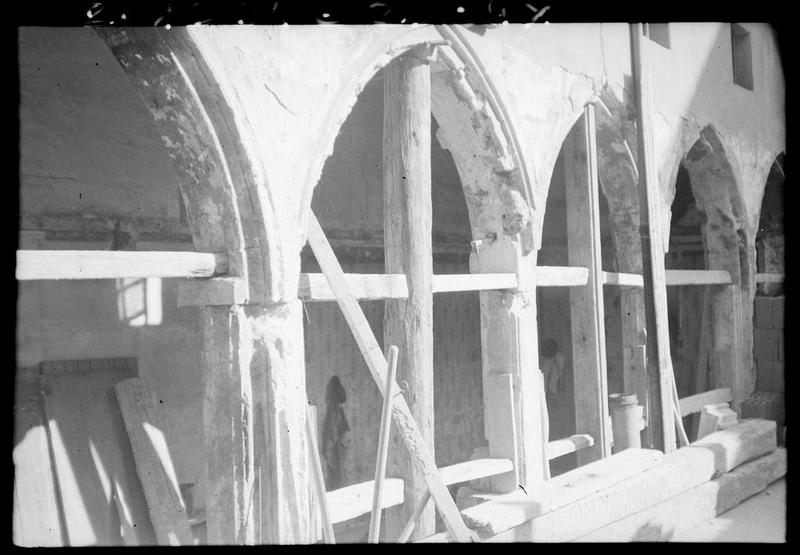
(761, 518)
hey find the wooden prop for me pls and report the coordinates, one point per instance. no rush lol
(319, 480)
(383, 448)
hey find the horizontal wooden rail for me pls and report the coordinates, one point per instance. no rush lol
(561, 276)
(353, 501)
(474, 469)
(623, 280)
(698, 277)
(90, 264)
(448, 283)
(770, 278)
(695, 403)
(673, 278)
(373, 287)
(365, 287)
(571, 444)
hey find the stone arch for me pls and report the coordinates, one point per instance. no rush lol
(477, 135)
(770, 234)
(227, 213)
(727, 247)
(717, 196)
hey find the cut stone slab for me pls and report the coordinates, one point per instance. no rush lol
(738, 444)
(677, 472)
(759, 519)
(506, 511)
(682, 512)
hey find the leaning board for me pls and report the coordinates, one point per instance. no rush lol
(89, 447)
(36, 514)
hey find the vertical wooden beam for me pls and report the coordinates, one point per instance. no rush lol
(659, 363)
(514, 413)
(408, 323)
(634, 325)
(586, 303)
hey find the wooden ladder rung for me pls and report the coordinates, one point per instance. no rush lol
(353, 501)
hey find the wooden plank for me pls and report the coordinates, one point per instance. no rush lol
(353, 501)
(621, 279)
(571, 444)
(696, 277)
(673, 278)
(154, 464)
(371, 287)
(407, 224)
(474, 470)
(695, 403)
(376, 363)
(365, 287)
(561, 276)
(37, 522)
(50, 264)
(445, 283)
(319, 479)
(770, 278)
(652, 249)
(586, 303)
(510, 510)
(383, 448)
(89, 446)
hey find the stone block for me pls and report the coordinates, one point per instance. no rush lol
(741, 443)
(768, 405)
(762, 310)
(766, 376)
(778, 312)
(677, 472)
(765, 344)
(682, 512)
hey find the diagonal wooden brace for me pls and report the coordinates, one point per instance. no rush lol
(377, 364)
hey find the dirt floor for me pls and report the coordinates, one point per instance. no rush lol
(761, 519)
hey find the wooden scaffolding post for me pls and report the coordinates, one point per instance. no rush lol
(408, 323)
(658, 355)
(586, 303)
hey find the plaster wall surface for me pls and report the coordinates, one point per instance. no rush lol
(87, 144)
(89, 153)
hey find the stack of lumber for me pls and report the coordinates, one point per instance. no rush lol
(637, 494)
